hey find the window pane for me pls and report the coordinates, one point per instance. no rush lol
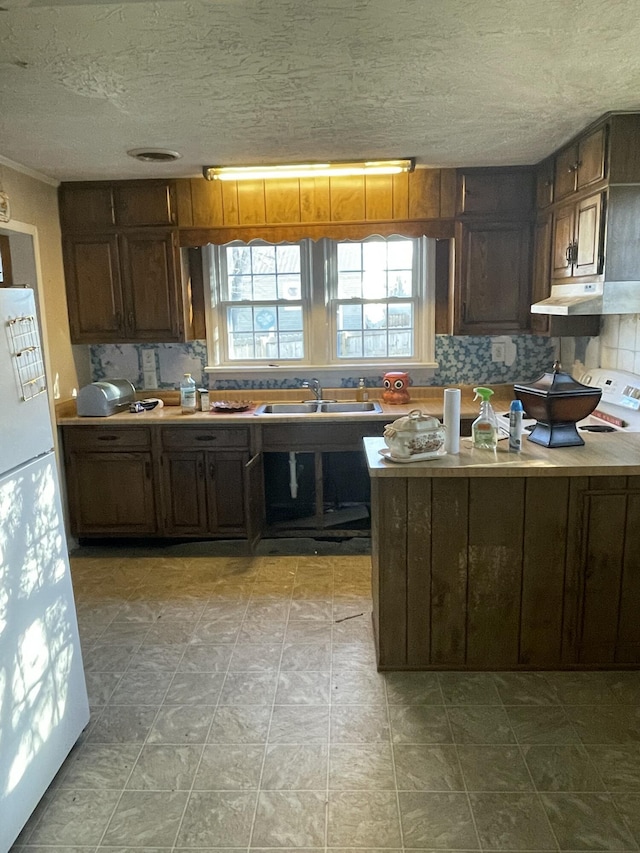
(239, 260)
(264, 318)
(290, 318)
(400, 283)
(240, 319)
(375, 316)
(374, 284)
(264, 287)
(374, 255)
(401, 343)
(400, 315)
(240, 288)
(349, 345)
(263, 259)
(289, 287)
(241, 346)
(263, 272)
(287, 259)
(375, 344)
(350, 285)
(350, 317)
(400, 254)
(349, 256)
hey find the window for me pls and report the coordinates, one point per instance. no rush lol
(325, 303)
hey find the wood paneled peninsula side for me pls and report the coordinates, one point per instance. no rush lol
(503, 561)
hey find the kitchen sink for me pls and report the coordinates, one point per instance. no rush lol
(322, 407)
(287, 409)
(337, 408)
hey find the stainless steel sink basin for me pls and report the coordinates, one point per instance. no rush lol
(321, 407)
(287, 409)
(337, 408)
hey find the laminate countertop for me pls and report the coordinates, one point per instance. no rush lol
(429, 400)
(603, 454)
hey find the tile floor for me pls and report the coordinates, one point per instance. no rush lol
(236, 705)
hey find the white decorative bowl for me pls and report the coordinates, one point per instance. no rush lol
(415, 435)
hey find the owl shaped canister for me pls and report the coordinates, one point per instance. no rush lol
(396, 388)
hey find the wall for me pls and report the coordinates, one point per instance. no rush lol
(35, 202)
(620, 342)
(461, 360)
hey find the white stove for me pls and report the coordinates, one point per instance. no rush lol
(619, 406)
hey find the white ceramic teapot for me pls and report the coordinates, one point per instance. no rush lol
(415, 436)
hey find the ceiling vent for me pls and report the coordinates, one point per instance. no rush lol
(154, 155)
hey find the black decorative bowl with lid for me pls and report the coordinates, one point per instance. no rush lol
(557, 401)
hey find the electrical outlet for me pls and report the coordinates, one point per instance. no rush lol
(148, 359)
(150, 378)
(497, 352)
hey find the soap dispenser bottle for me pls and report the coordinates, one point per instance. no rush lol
(484, 430)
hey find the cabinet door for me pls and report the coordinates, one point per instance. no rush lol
(541, 274)
(254, 500)
(86, 207)
(495, 191)
(610, 630)
(588, 235)
(591, 158)
(494, 292)
(184, 493)
(94, 290)
(111, 493)
(144, 203)
(544, 183)
(150, 284)
(226, 491)
(563, 231)
(565, 172)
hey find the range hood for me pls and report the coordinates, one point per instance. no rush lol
(619, 290)
(603, 297)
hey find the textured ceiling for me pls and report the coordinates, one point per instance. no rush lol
(450, 82)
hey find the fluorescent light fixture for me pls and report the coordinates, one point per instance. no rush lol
(307, 170)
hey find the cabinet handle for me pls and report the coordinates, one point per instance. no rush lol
(574, 252)
(131, 323)
(108, 437)
(212, 470)
(118, 319)
(567, 254)
(147, 470)
(201, 469)
(206, 438)
(464, 312)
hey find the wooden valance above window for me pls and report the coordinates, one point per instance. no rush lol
(411, 204)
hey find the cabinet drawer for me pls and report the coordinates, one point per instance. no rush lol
(203, 438)
(310, 437)
(106, 438)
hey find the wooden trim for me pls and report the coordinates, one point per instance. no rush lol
(437, 228)
(5, 255)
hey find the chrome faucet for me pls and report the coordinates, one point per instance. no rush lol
(314, 385)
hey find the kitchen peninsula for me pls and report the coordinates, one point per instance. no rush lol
(499, 561)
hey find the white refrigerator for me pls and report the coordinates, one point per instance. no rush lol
(43, 697)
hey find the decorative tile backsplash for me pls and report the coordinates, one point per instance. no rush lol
(461, 361)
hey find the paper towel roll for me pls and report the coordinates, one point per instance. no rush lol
(452, 420)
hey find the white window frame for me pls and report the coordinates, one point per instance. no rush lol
(319, 286)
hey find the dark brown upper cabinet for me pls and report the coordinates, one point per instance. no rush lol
(577, 243)
(581, 164)
(493, 286)
(544, 183)
(501, 193)
(101, 205)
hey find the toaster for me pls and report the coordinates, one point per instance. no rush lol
(101, 399)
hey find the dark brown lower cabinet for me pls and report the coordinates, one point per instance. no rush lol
(506, 573)
(211, 483)
(138, 481)
(110, 483)
(209, 493)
